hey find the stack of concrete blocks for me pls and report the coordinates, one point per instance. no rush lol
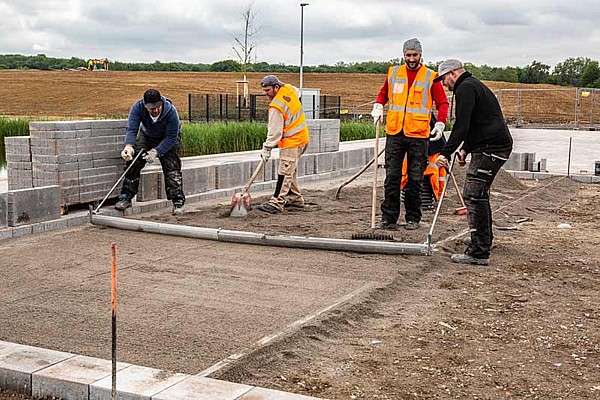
(18, 162)
(81, 157)
(525, 162)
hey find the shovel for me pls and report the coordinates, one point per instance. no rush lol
(240, 202)
(461, 210)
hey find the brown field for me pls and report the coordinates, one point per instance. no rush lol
(109, 94)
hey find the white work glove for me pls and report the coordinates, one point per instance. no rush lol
(151, 156)
(266, 153)
(377, 111)
(127, 153)
(437, 131)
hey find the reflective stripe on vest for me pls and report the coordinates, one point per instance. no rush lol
(295, 128)
(414, 119)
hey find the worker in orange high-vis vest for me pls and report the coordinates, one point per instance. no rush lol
(288, 130)
(411, 93)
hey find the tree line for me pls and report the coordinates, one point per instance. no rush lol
(574, 71)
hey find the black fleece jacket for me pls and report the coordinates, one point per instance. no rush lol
(479, 120)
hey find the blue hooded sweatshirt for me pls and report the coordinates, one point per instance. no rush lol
(167, 127)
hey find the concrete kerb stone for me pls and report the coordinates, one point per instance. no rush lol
(43, 373)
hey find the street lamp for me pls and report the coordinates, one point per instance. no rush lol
(301, 43)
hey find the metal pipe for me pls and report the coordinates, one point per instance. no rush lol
(222, 235)
(302, 5)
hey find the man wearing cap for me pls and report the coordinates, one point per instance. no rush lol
(411, 93)
(154, 128)
(288, 130)
(482, 130)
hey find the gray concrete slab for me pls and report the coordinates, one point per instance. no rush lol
(199, 388)
(268, 394)
(70, 379)
(18, 362)
(135, 383)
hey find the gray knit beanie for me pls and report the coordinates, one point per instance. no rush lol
(412, 44)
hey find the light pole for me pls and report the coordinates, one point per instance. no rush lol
(301, 43)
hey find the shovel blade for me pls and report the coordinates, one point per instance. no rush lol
(240, 204)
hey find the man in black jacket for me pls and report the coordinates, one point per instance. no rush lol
(482, 130)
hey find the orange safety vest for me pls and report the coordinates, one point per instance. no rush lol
(437, 176)
(409, 109)
(295, 129)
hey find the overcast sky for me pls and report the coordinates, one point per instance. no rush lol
(493, 32)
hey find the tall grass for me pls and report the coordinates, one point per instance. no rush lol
(357, 131)
(220, 137)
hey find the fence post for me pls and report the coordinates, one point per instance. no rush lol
(593, 128)
(324, 106)
(252, 107)
(519, 120)
(189, 107)
(239, 108)
(314, 106)
(576, 108)
(207, 109)
(226, 107)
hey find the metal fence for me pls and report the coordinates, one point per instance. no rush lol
(572, 108)
(255, 107)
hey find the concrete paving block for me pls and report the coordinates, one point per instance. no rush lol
(324, 163)
(3, 210)
(18, 165)
(109, 124)
(112, 154)
(83, 133)
(595, 179)
(307, 164)
(522, 174)
(200, 388)
(91, 180)
(135, 382)
(542, 175)
(69, 379)
(105, 162)
(36, 126)
(20, 161)
(54, 224)
(85, 157)
(17, 141)
(230, 175)
(27, 206)
(269, 394)
(78, 220)
(582, 178)
(66, 146)
(99, 171)
(200, 179)
(5, 233)
(65, 135)
(19, 362)
(150, 186)
(43, 151)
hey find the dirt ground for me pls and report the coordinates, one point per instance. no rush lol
(524, 327)
(110, 94)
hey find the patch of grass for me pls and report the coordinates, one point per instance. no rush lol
(221, 137)
(11, 127)
(357, 131)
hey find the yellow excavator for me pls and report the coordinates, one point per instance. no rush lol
(98, 63)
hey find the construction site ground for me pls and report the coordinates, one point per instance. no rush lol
(345, 325)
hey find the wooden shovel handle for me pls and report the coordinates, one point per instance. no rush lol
(254, 175)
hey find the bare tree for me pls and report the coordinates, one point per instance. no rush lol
(244, 46)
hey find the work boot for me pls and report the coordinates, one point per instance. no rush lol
(411, 225)
(469, 259)
(123, 203)
(269, 208)
(388, 226)
(293, 206)
(177, 209)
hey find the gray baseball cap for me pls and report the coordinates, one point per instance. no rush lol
(447, 66)
(270, 80)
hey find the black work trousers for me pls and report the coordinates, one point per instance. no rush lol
(171, 166)
(481, 172)
(415, 149)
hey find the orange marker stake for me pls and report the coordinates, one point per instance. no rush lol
(113, 302)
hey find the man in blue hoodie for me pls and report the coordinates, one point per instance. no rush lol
(153, 128)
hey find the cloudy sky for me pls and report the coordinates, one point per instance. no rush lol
(492, 32)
